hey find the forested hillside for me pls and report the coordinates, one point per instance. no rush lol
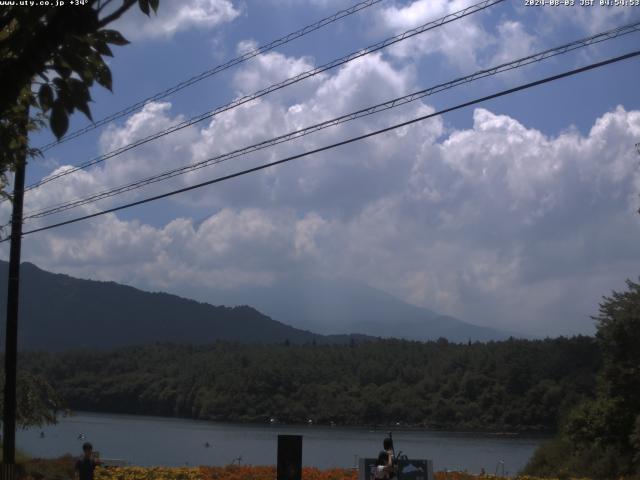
(502, 386)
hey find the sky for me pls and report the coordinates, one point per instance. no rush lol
(518, 213)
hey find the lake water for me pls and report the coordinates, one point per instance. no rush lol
(173, 442)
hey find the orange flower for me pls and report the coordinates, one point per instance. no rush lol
(269, 473)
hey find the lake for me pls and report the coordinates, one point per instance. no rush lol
(142, 440)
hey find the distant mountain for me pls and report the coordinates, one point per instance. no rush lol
(58, 312)
(339, 306)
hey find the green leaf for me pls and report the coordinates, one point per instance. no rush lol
(144, 6)
(102, 48)
(79, 45)
(87, 76)
(154, 5)
(60, 83)
(75, 61)
(59, 120)
(63, 71)
(45, 97)
(103, 76)
(84, 108)
(78, 89)
(64, 93)
(80, 96)
(93, 62)
(60, 65)
(32, 101)
(114, 37)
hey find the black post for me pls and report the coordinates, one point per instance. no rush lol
(11, 340)
(289, 457)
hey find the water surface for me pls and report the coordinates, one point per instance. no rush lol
(142, 440)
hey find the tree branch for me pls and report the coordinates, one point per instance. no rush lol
(101, 6)
(126, 5)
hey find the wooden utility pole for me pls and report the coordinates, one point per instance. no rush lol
(11, 332)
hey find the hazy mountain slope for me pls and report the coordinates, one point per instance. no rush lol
(342, 306)
(59, 312)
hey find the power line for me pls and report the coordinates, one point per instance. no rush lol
(277, 86)
(217, 69)
(338, 144)
(537, 57)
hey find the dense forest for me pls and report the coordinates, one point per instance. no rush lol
(513, 385)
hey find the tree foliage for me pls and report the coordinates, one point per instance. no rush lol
(502, 386)
(49, 60)
(601, 437)
(37, 401)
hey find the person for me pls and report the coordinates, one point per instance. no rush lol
(387, 444)
(382, 470)
(87, 464)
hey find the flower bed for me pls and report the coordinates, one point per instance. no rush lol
(216, 473)
(62, 468)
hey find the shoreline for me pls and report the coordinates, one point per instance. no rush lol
(492, 433)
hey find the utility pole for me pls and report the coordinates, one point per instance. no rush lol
(13, 294)
(638, 150)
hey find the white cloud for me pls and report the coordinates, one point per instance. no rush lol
(513, 42)
(177, 16)
(317, 3)
(497, 223)
(356, 85)
(165, 153)
(460, 41)
(270, 68)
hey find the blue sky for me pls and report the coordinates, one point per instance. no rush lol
(519, 213)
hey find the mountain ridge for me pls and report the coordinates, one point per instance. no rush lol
(67, 312)
(75, 313)
(342, 306)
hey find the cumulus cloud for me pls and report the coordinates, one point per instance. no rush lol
(317, 3)
(517, 216)
(489, 37)
(356, 85)
(271, 68)
(160, 155)
(497, 223)
(174, 17)
(514, 42)
(459, 41)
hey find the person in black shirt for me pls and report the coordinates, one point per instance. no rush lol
(382, 470)
(86, 465)
(392, 467)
